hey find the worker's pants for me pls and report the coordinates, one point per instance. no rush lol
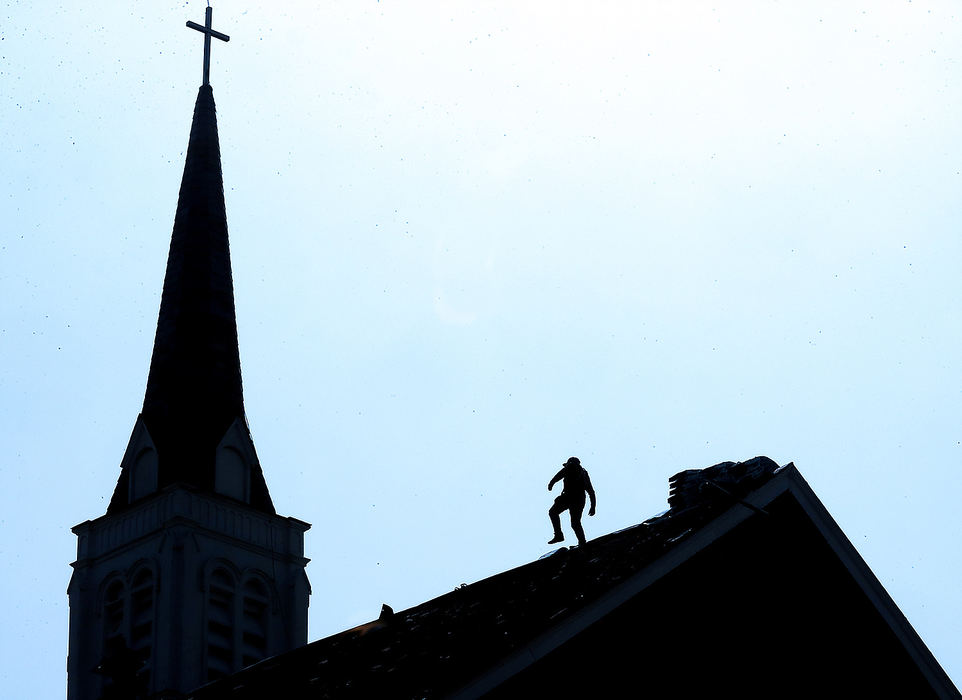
(575, 507)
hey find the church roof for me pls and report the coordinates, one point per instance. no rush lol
(194, 391)
(743, 583)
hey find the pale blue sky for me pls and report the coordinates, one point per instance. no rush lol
(470, 242)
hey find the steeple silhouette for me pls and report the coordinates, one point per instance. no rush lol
(194, 392)
(190, 575)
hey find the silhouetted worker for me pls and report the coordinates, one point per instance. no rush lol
(572, 499)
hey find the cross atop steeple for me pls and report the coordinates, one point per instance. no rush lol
(208, 33)
(165, 581)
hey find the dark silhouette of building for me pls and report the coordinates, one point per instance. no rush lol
(191, 585)
(191, 574)
(746, 587)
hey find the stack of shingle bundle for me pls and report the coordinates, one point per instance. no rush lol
(694, 487)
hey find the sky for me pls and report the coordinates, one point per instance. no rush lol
(472, 240)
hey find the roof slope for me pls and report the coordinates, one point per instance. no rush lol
(194, 392)
(743, 544)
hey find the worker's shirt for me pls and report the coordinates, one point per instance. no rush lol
(576, 482)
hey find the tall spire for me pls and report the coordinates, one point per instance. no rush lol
(191, 574)
(194, 394)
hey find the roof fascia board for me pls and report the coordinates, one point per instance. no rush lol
(870, 585)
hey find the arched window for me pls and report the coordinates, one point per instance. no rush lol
(114, 614)
(142, 618)
(143, 475)
(254, 622)
(220, 624)
(232, 475)
(238, 622)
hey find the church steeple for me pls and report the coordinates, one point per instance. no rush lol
(194, 392)
(190, 575)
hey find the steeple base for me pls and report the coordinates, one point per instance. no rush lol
(179, 589)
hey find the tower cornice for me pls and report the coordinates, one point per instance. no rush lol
(218, 516)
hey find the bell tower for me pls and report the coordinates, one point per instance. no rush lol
(191, 574)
